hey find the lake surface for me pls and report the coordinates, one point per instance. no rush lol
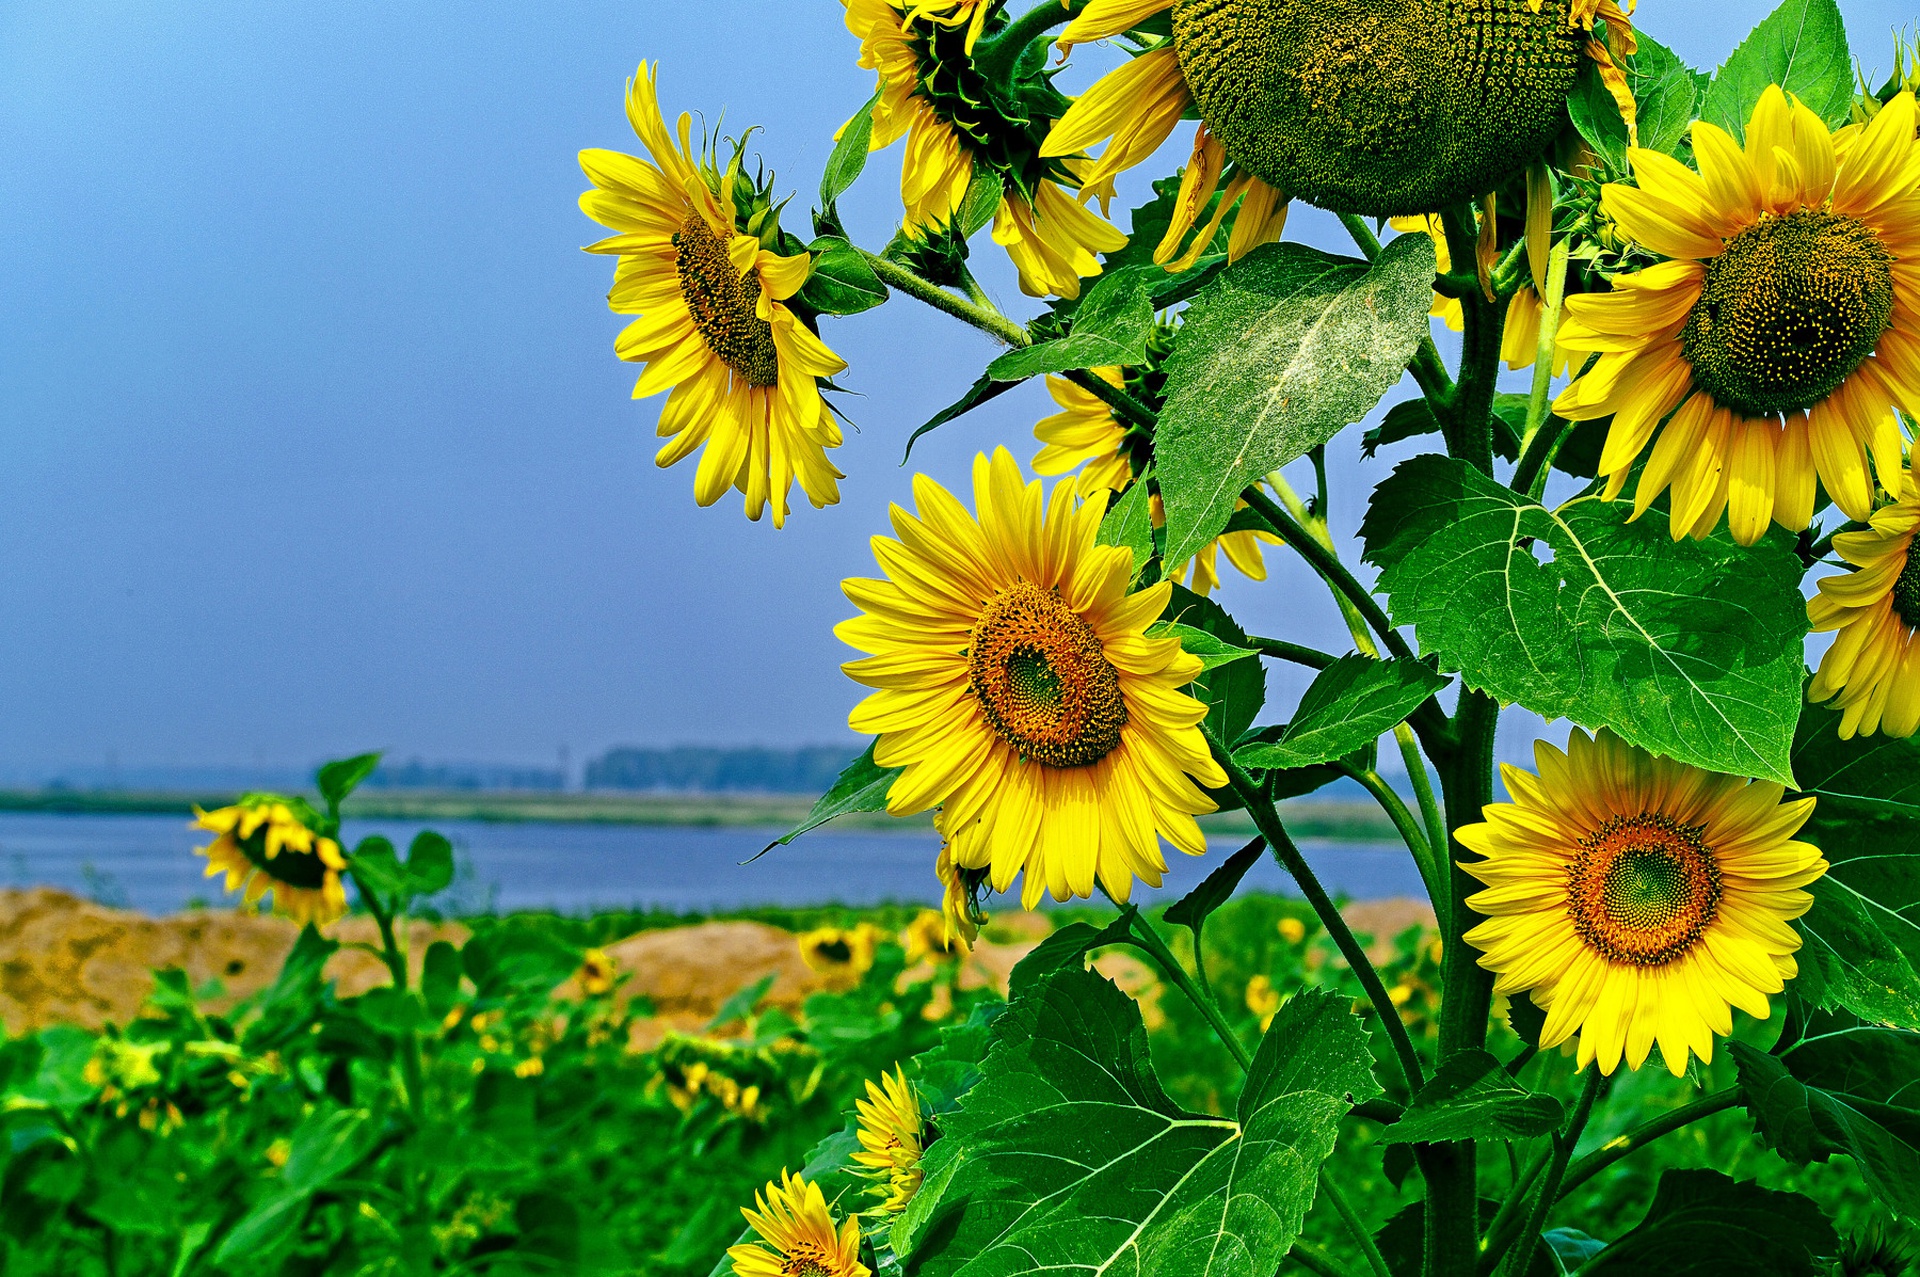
(147, 863)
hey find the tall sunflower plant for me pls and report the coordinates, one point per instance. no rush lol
(1711, 285)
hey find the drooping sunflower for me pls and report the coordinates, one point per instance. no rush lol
(1777, 340)
(1017, 687)
(1086, 433)
(930, 92)
(714, 329)
(1380, 109)
(1872, 671)
(796, 1235)
(264, 845)
(892, 1133)
(1638, 899)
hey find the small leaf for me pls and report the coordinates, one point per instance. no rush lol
(862, 786)
(326, 1145)
(1666, 92)
(1802, 47)
(1691, 649)
(440, 978)
(978, 393)
(1277, 355)
(429, 863)
(1192, 910)
(1703, 1224)
(1065, 948)
(341, 777)
(841, 282)
(1212, 651)
(982, 202)
(264, 1228)
(377, 864)
(1110, 327)
(1408, 419)
(1349, 705)
(740, 1006)
(849, 156)
(511, 959)
(1471, 1097)
(1130, 523)
(1235, 692)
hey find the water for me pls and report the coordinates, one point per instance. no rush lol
(146, 862)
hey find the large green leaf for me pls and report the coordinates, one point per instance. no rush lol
(1283, 349)
(841, 282)
(1666, 92)
(1862, 947)
(862, 786)
(849, 158)
(1233, 692)
(1471, 1097)
(1349, 705)
(1847, 1090)
(1110, 327)
(1703, 1224)
(1802, 47)
(1690, 649)
(1067, 1153)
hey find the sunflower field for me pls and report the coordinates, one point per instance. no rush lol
(1669, 1019)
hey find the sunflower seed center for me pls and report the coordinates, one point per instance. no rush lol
(1379, 106)
(1044, 684)
(724, 304)
(1906, 591)
(1643, 889)
(288, 865)
(1789, 309)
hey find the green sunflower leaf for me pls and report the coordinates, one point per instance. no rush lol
(987, 387)
(1802, 47)
(1666, 92)
(1233, 692)
(849, 158)
(1130, 523)
(862, 786)
(1111, 326)
(341, 777)
(1212, 650)
(1704, 1224)
(1349, 705)
(1690, 649)
(1067, 1152)
(1847, 1090)
(1471, 1097)
(1279, 353)
(1862, 935)
(841, 282)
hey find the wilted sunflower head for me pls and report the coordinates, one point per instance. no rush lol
(271, 843)
(1381, 107)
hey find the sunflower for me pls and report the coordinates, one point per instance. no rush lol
(846, 952)
(892, 1134)
(797, 1236)
(598, 971)
(1086, 431)
(1017, 686)
(267, 843)
(1403, 109)
(930, 92)
(1872, 671)
(744, 371)
(1776, 341)
(1639, 899)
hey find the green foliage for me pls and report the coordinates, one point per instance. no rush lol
(1703, 1224)
(1802, 47)
(1234, 691)
(341, 777)
(1278, 354)
(1666, 95)
(862, 786)
(1471, 1097)
(1689, 648)
(1110, 327)
(841, 282)
(1130, 523)
(1349, 705)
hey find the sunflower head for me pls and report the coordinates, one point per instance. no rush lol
(893, 1132)
(1637, 899)
(270, 843)
(1871, 674)
(597, 972)
(1380, 106)
(840, 952)
(795, 1235)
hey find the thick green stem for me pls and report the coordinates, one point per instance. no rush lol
(1640, 1136)
(1115, 398)
(1506, 1223)
(1541, 439)
(995, 59)
(1563, 1146)
(1266, 818)
(1313, 1261)
(1356, 1227)
(960, 308)
(1471, 434)
(1299, 654)
(394, 952)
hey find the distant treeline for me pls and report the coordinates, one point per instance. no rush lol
(416, 774)
(695, 769)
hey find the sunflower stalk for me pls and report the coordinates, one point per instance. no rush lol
(1640, 1136)
(1563, 1146)
(997, 55)
(1471, 409)
(1356, 1227)
(1150, 942)
(1541, 440)
(987, 321)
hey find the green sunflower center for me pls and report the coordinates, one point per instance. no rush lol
(294, 868)
(1043, 682)
(997, 129)
(1906, 591)
(1380, 107)
(1643, 889)
(724, 304)
(1789, 309)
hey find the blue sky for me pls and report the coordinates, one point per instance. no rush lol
(311, 433)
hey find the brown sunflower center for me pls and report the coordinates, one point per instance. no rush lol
(835, 951)
(724, 304)
(1906, 591)
(294, 868)
(1789, 309)
(1643, 889)
(1379, 106)
(808, 1260)
(1043, 683)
